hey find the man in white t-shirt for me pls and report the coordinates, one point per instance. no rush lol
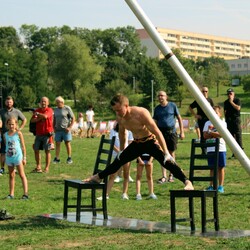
(90, 121)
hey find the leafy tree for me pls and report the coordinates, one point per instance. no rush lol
(73, 64)
(245, 81)
(26, 97)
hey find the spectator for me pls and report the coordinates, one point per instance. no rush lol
(80, 122)
(43, 117)
(90, 121)
(232, 108)
(125, 167)
(147, 161)
(210, 132)
(63, 122)
(5, 113)
(165, 115)
(15, 156)
(200, 116)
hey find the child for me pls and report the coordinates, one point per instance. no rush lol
(15, 156)
(80, 124)
(209, 132)
(147, 161)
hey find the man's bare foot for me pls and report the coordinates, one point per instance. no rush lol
(93, 178)
(188, 185)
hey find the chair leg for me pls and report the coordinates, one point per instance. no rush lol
(65, 201)
(203, 214)
(104, 205)
(216, 213)
(93, 202)
(78, 205)
(173, 216)
(191, 213)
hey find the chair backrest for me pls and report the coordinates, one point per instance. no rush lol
(104, 154)
(199, 169)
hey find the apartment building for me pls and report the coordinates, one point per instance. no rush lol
(239, 67)
(196, 46)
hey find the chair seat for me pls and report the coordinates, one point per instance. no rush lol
(83, 185)
(193, 193)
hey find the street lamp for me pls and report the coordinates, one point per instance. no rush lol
(7, 65)
(134, 84)
(152, 96)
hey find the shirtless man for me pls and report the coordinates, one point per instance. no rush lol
(147, 139)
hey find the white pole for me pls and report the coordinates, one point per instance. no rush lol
(184, 76)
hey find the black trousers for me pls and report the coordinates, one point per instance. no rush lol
(134, 150)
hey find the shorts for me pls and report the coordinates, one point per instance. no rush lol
(63, 136)
(90, 125)
(145, 158)
(222, 160)
(171, 140)
(14, 161)
(42, 142)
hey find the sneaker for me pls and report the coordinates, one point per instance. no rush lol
(10, 197)
(25, 197)
(130, 179)
(117, 179)
(162, 180)
(210, 188)
(152, 196)
(55, 161)
(69, 160)
(221, 189)
(100, 198)
(125, 197)
(138, 197)
(2, 171)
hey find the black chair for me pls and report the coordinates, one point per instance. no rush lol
(103, 159)
(199, 171)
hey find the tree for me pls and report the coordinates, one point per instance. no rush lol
(73, 64)
(245, 81)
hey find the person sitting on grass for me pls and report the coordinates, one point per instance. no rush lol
(147, 139)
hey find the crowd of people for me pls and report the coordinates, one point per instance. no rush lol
(138, 136)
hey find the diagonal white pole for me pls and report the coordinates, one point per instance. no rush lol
(184, 76)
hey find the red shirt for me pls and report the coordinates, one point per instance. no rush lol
(44, 127)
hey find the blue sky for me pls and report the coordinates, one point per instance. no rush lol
(228, 18)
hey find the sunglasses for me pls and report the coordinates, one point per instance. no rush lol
(230, 93)
(204, 91)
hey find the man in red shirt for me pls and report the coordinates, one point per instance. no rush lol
(43, 117)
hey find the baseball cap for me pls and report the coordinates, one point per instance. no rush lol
(230, 90)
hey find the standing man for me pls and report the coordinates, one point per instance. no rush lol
(165, 115)
(43, 117)
(232, 108)
(200, 116)
(90, 121)
(5, 113)
(147, 139)
(63, 122)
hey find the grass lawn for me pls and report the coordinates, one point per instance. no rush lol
(29, 231)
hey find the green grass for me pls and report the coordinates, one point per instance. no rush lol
(29, 231)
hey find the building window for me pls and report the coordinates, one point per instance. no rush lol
(245, 65)
(239, 66)
(233, 66)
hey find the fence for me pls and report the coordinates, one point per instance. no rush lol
(245, 122)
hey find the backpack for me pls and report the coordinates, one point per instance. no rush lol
(32, 127)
